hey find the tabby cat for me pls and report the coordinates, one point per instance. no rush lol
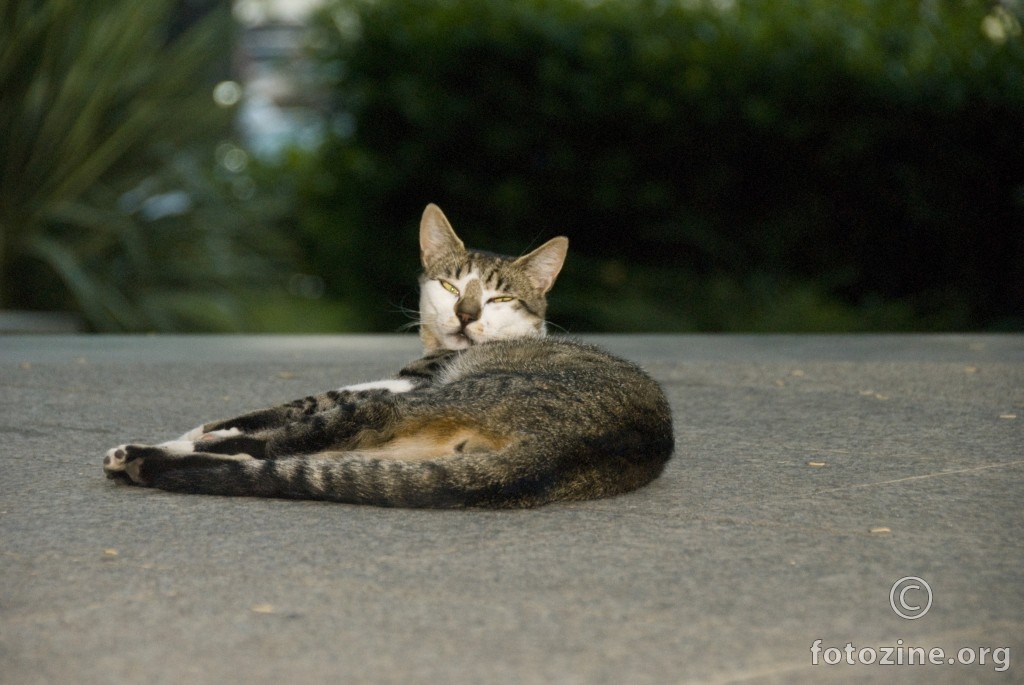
(495, 415)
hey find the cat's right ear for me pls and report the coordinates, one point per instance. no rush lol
(543, 264)
(437, 237)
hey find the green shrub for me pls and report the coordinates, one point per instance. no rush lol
(726, 165)
(112, 200)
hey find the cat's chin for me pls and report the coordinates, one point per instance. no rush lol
(458, 341)
(434, 340)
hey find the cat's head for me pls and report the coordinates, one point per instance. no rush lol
(468, 297)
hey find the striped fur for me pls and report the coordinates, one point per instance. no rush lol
(483, 419)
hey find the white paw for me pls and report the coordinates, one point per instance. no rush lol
(179, 446)
(115, 459)
(222, 433)
(396, 385)
(194, 434)
(118, 465)
(197, 434)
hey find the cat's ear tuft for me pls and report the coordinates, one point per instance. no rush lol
(543, 264)
(437, 237)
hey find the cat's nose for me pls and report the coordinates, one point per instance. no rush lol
(467, 311)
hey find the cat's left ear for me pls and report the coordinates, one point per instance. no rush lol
(543, 264)
(437, 237)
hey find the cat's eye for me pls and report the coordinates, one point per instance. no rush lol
(502, 298)
(448, 286)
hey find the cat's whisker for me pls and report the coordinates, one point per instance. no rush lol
(415, 321)
(551, 325)
(406, 311)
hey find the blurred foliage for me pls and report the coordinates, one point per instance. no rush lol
(120, 197)
(717, 165)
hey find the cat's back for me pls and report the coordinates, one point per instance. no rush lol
(541, 359)
(557, 383)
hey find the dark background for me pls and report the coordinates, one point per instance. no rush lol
(717, 166)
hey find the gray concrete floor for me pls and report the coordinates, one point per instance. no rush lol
(811, 474)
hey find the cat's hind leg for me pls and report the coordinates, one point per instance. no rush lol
(262, 419)
(222, 441)
(363, 419)
(276, 417)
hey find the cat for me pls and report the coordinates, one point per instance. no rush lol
(495, 414)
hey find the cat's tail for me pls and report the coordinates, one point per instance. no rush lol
(513, 477)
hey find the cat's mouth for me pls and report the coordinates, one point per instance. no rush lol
(459, 340)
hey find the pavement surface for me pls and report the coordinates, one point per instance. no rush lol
(811, 474)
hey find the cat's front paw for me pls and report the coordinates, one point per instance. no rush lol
(115, 459)
(129, 462)
(123, 462)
